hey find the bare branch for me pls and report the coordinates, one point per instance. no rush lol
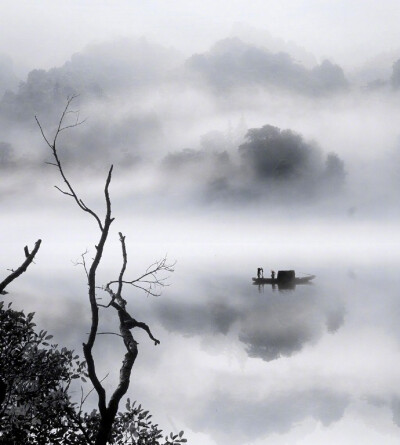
(83, 262)
(29, 257)
(125, 261)
(63, 192)
(109, 333)
(43, 134)
(83, 399)
(129, 322)
(141, 325)
(76, 124)
(58, 164)
(149, 280)
(94, 379)
(147, 290)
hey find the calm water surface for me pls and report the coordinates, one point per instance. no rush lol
(240, 363)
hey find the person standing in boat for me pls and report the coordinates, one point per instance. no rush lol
(273, 274)
(260, 272)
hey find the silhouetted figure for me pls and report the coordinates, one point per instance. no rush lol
(262, 272)
(273, 274)
(259, 272)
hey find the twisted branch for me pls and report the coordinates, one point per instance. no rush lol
(53, 148)
(145, 282)
(29, 257)
(104, 230)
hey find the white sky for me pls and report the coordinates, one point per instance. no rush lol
(44, 33)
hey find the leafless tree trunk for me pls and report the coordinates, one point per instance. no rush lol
(147, 282)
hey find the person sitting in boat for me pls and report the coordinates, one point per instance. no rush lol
(273, 274)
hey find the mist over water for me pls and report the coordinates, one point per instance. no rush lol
(316, 361)
(245, 151)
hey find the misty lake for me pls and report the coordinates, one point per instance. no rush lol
(242, 135)
(238, 363)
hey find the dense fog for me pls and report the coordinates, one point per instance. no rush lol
(239, 150)
(235, 125)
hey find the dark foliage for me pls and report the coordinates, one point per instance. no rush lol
(37, 408)
(37, 376)
(283, 158)
(272, 153)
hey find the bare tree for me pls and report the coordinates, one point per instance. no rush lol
(29, 257)
(148, 282)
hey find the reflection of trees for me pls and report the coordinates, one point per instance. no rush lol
(269, 326)
(282, 326)
(197, 318)
(239, 421)
(6, 154)
(395, 79)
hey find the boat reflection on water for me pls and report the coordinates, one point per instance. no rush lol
(285, 280)
(279, 286)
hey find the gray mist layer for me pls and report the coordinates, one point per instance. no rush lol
(247, 152)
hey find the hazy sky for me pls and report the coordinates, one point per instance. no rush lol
(45, 33)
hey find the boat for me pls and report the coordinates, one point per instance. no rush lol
(284, 277)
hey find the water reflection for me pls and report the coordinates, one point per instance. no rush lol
(280, 286)
(270, 324)
(246, 422)
(265, 362)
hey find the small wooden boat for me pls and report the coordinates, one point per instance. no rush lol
(284, 277)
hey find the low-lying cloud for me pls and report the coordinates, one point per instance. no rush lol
(232, 64)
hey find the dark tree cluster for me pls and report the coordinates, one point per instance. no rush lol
(36, 376)
(272, 153)
(35, 393)
(98, 71)
(272, 162)
(274, 156)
